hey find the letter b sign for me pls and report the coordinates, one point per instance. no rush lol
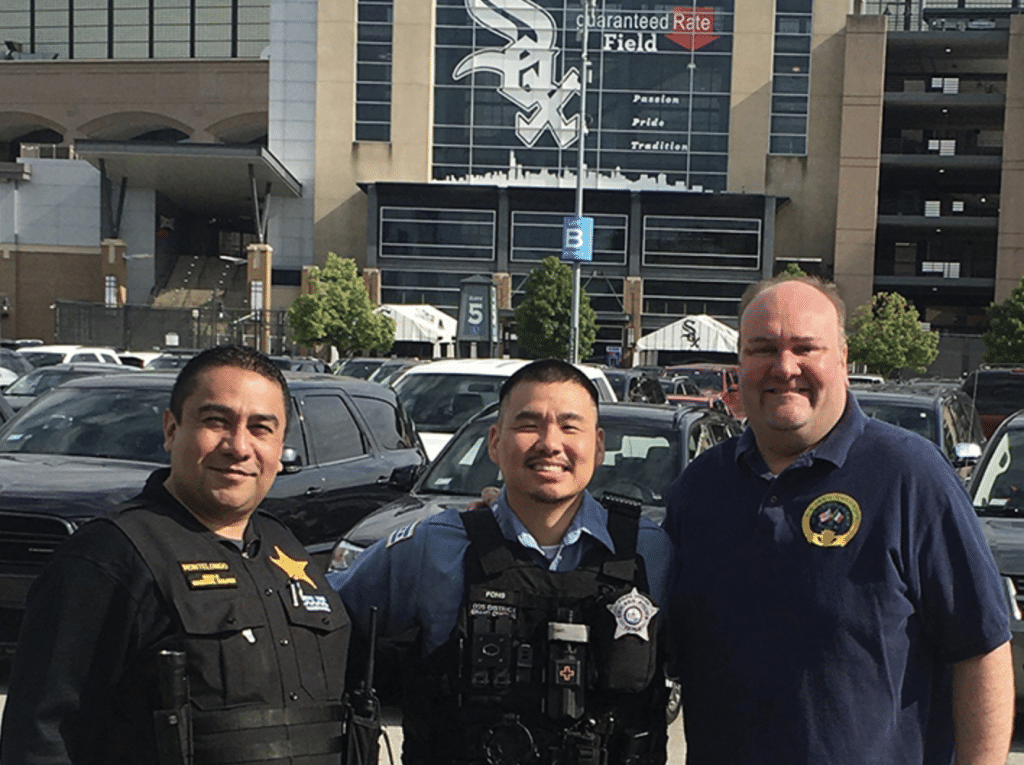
(577, 239)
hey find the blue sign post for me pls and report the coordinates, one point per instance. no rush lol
(577, 239)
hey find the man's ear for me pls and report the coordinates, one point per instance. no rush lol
(170, 428)
(492, 443)
(599, 455)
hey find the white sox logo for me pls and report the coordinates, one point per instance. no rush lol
(526, 67)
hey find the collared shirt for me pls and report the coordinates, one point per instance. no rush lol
(816, 611)
(415, 576)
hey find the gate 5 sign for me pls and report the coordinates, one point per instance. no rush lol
(577, 239)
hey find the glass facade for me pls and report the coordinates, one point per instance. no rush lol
(125, 29)
(373, 70)
(538, 235)
(791, 77)
(506, 91)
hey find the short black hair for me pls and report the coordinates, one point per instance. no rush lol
(239, 356)
(548, 371)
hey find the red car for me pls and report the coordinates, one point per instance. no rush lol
(719, 381)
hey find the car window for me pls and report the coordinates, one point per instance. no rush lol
(93, 422)
(44, 358)
(444, 402)
(386, 422)
(700, 438)
(1001, 482)
(332, 429)
(950, 430)
(296, 438)
(913, 417)
(85, 357)
(997, 393)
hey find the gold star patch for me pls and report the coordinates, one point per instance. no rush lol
(295, 569)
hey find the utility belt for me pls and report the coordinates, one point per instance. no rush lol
(187, 736)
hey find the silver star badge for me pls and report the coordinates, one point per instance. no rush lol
(633, 613)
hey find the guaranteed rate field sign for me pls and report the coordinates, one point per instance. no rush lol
(577, 239)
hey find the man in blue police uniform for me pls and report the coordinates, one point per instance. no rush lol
(537, 618)
(187, 626)
(835, 601)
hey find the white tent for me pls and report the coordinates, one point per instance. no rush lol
(698, 332)
(421, 324)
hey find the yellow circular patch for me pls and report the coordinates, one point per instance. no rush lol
(831, 520)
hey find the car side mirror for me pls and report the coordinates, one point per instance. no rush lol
(966, 454)
(403, 478)
(291, 462)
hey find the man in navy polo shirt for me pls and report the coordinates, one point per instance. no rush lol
(835, 599)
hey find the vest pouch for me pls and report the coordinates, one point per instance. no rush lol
(624, 638)
(320, 632)
(229, 651)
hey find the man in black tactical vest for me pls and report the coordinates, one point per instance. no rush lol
(537, 617)
(187, 626)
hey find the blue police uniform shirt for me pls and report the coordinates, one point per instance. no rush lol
(815, 613)
(415, 576)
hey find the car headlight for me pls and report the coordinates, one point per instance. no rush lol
(344, 555)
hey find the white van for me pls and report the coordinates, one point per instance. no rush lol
(442, 395)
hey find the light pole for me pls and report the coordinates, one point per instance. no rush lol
(581, 128)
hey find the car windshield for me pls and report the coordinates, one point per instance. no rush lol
(361, 369)
(441, 403)
(640, 461)
(618, 383)
(917, 419)
(44, 358)
(38, 382)
(706, 380)
(1000, 485)
(997, 393)
(92, 422)
(168, 362)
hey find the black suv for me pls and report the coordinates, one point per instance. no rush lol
(89, 444)
(940, 413)
(997, 392)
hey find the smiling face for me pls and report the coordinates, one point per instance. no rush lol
(792, 370)
(546, 443)
(226, 448)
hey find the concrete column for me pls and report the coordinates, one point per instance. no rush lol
(860, 153)
(115, 264)
(1010, 244)
(257, 272)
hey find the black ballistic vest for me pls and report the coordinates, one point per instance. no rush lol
(533, 672)
(265, 643)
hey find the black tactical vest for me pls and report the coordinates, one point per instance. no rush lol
(265, 640)
(543, 667)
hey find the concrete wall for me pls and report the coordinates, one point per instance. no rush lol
(1010, 245)
(116, 100)
(859, 158)
(340, 211)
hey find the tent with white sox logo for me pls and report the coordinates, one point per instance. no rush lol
(691, 337)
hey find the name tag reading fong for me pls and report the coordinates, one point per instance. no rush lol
(568, 633)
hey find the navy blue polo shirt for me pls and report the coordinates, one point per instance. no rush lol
(816, 613)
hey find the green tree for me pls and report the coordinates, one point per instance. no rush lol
(339, 311)
(886, 335)
(543, 319)
(792, 269)
(1004, 340)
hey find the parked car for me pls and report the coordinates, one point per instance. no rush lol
(997, 491)
(680, 389)
(6, 411)
(301, 364)
(48, 355)
(719, 381)
(91, 443)
(940, 413)
(12, 366)
(171, 359)
(360, 368)
(391, 370)
(442, 395)
(635, 385)
(28, 388)
(996, 392)
(646, 447)
(865, 379)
